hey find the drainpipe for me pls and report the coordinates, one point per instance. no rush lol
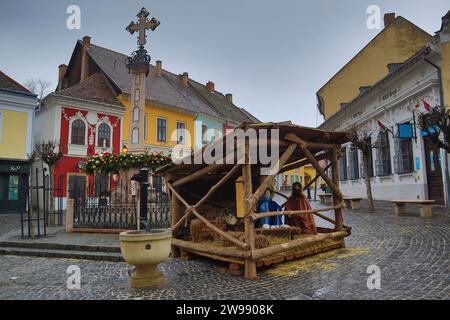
(441, 102)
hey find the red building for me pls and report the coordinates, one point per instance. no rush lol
(86, 119)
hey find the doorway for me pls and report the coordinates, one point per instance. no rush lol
(434, 171)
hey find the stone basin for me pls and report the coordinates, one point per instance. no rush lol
(145, 250)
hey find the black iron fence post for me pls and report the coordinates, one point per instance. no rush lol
(142, 178)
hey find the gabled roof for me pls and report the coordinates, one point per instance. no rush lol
(96, 88)
(221, 104)
(8, 83)
(167, 89)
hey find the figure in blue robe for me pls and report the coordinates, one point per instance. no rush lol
(266, 204)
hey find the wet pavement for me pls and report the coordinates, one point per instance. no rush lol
(411, 253)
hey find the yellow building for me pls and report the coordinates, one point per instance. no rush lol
(17, 106)
(398, 41)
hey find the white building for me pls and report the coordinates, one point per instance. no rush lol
(401, 168)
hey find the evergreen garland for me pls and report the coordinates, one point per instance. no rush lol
(113, 163)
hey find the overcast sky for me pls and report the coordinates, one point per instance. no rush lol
(272, 55)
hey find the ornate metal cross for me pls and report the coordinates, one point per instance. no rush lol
(142, 26)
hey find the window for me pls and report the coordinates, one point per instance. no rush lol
(104, 136)
(137, 95)
(343, 165)
(363, 170)
(135, 136)
(204, 134)
(136, 114)
(181, 133)
(162, 129)
(13, 188)
(78, 132)
(138, 79)
(383, 162)
(403, 158)
(353, 163)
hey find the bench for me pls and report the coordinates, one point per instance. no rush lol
(425, 207)
(326, 198)
(353, 202)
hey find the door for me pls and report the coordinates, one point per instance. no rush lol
(12, 198)
(434, 172)
(77, 188)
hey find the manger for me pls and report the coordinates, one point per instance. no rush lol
(214, 206)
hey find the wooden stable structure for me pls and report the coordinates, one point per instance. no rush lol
(202, 193)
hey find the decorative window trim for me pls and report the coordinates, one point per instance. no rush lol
(110, 135)
(157, 136)
(78, 116)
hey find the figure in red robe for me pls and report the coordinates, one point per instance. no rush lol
(298, 201)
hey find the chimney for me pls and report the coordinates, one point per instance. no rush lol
(389, 18)
(84, 58)
(184, 79)
(158, 69)
(229, 97)
(62, 69)
(210, 86)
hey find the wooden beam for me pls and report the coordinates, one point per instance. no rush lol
(309, 144)
(187, 205)
(249, 227)
(320, 170)
(219, 184)
(326, 218)
(257, 216)
(218, 231)
(198, 173)
(315, 178)
(337, 196)
(260, 253)
(235, 253)
(303, 162)
(254, 198)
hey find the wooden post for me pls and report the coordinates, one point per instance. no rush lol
(337, 196)
(177, 213)
(249, 263)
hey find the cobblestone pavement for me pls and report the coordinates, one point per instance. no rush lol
(411, 252)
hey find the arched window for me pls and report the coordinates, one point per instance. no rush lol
(137, 95)
(136, 114)
(78, 132)
(104, 136)
(135, 136)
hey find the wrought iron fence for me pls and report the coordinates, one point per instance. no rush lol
(38, 213)
(110, 203)
(158, 206)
